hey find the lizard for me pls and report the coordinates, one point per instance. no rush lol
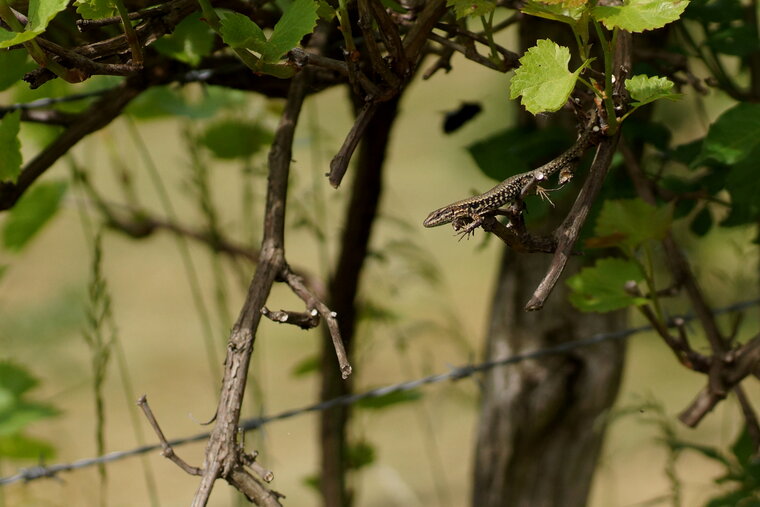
(468, 214)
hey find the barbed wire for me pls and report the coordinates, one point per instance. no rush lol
(457, 373)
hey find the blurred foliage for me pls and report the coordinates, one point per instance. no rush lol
(33, 211)
(17, 412)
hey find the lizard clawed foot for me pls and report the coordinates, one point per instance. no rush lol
(465, 226)
(544, 193)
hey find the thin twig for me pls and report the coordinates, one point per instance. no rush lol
(391, 39)
(510, 57)
(470, 53)
(727, 372)
(296, 284)
(371, 47)
(153, 11)
(168, 451)
(339, 163)
(304, 320)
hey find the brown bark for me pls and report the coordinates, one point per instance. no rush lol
(360, 215)
(542, 422)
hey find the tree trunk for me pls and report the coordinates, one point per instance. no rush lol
(542, 422)
(344, 286)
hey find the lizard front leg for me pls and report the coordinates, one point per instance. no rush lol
(465, 225)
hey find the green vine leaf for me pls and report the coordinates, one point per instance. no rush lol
(567, 4)
(628, 223)
(325, 11)
(733, 136)
(640, 15)
(554, 12)
(8, 39)
(602, 288)
(298, 20)
(95, 9)
(464, 8)
(10, 147)
(645, 89)
(542, 79)
(238, 31)
(41, 12)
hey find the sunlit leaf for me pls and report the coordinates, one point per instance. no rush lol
(602, 288)
(10, 147)
(240, 32)
(298, 20)
(95, 9)
(543, 80)
(567, 4)
(645, 89)
(555, 12)
(35, 208)
(8, 38)
(41, 12)
(639, 15)
(325, 11)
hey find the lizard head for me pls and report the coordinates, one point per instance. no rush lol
(438, 217)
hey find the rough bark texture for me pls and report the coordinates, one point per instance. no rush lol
(360, 215)
(542, 422)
